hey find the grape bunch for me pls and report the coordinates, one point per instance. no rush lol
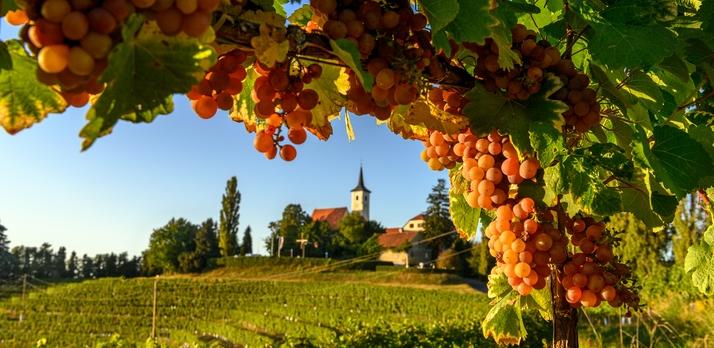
(72, 40)
(583, 108)
(593, 275)
(439, 151)
(523, 246)
(282, 99)
(538, 58)
(491, 165)
(192, 17)
(451, 101)
(219, 85)
(393, 41)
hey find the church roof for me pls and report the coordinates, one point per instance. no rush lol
(360, 183)
(332, 216)
(395, 238)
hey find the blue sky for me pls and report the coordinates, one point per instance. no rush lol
(110, 197)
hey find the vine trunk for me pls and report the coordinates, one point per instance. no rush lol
(565, 318)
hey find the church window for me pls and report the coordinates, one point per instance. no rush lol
(357, 198)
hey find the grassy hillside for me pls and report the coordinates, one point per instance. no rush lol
(245, 312)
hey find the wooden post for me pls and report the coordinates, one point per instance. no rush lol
(153, 314)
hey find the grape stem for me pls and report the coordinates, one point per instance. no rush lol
(696, 101)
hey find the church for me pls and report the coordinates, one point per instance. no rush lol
(394, 240)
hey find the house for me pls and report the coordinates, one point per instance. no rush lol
(401, 244)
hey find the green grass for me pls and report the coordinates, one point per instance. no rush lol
(247, 312)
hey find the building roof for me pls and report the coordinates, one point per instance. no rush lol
(395, 238)
(332, 216)
(417, 218)
(360, 183)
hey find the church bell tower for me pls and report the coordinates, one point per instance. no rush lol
(360, 197)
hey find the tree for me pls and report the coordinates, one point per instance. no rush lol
(357, 230)
(72, 266)
(86, 268)
(437, 218)
(228, 227)
(167, 243)
(554, 116)
(288, 227)
(246, 247)
(8, 261)
(59, 263)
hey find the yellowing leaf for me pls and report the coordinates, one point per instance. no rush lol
(267, 49)
(331, 89)
(397, 123)
(428, 115)
(24, 101)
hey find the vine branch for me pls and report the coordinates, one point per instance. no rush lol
(317, 45)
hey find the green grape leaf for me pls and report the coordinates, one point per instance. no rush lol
(473, 22)
(610, 157)
(554, 5)
(547, 141)
(654, 209)
(501, 35)
(465, 218)
(504, 321)
(699, 262)
(8, 5)
(608, 88)
(579, 178)
(646, 91)
(678, 161)
(348, 52)
(519, 7)
(279, 7)
(142, 74)
(24, 100)
(301, 16)
(706, 14)
(620, 45)
(5, 58)
(541, 301)
(439, 12)
(487, 111)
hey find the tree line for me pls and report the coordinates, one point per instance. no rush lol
(44, 262)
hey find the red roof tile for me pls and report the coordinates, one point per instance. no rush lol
(390, 240)
(393, 230)
(418, 217)
(333, 216)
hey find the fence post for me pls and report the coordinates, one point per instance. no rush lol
(153, 315)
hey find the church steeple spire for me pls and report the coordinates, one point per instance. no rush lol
(360, 197)
(360, 183)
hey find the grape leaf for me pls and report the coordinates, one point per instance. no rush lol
(243, 110)
(301, 16)
(501, 35)
(397, 124)
(547, 141)
(426, 114)
(5, 58)
(142, 75)
(331, 89)
(487, 111)
(473, 22)
(640, 200)
(465, 217)
(348, 53)
(504, 321)
(459, 184)
(24, 100)
(706, 14)
(678, 161)
(609, 88)
(620, 45)
(609, 157)
(439, 12)
(541, 301)
(699, 262)
(646, 91)
(8, 5)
